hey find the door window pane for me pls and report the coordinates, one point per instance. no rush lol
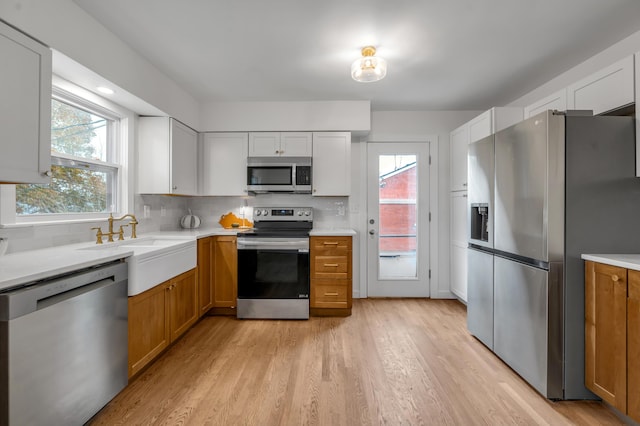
(397, 216)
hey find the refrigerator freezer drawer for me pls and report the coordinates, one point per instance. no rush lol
(480, 296)
(525, 327)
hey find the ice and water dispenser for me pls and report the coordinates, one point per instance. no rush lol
(480, 222)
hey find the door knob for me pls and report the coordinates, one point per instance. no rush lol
(371, 221)
(372, 232)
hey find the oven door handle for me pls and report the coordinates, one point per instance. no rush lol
(272, 245)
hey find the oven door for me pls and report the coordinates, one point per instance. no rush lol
(273, 268)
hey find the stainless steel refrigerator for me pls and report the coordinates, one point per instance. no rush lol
(541, 193)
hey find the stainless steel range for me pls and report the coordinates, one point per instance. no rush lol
(273, 264)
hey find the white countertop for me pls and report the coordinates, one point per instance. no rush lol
(21, 268)
(629, 261)
(25, 267)
(332, 232)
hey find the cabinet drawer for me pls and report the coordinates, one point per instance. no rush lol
(334, 295)
(336, 267)
(331, 243)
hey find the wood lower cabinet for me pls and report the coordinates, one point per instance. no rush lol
(612, 335)
(606, 333)
(158, 316)
(205, 274)
(217, 274)
(331, 277)
(225, 266)
(633, 345)
(183, 303)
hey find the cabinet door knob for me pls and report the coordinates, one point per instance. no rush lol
(47, 173)
(174, 187)
(615, 278)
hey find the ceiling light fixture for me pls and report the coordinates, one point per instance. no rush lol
(105, 90)
(370, 67)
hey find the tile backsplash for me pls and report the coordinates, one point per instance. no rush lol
(163, 213)
(328, 212)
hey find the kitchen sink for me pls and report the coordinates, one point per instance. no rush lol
(154, 259)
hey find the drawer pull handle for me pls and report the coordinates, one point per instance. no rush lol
(335, 265)
(330, 243)
(614, 278)
(331, 294)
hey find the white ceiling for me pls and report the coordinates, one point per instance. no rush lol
(442, 54)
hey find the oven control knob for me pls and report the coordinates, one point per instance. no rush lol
(300, 213)
(258, 212)
(307, 213)
(265, 212)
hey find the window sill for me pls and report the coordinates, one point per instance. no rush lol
(52, 222)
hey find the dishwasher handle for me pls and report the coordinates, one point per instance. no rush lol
(25, 300)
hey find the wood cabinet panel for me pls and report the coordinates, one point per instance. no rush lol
(336, 267)
(605, 332)
(331, 269)
(148, 327)
(330, 294)
(159, 316)
(225, 289)
(331, 243)
(205, 275)
(633, 346)
(183, 306)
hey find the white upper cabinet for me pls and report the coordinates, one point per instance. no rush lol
(280, 144)
(493, 121)
(458, 147)
(167, 157)
(487, 123)
(331, 164)
(607, 89)
(223, 164)
(25, 108)
(556, 101)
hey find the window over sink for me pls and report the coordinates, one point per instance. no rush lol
(89, 153)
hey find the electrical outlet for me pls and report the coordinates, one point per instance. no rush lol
(163, 211)
(146, 211)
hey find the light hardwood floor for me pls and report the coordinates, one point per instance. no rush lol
(393, 362)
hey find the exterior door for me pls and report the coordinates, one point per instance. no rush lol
(398, 219)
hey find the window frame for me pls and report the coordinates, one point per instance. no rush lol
(118, 159)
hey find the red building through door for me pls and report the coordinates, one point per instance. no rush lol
(398, 211)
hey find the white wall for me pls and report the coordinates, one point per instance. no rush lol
(64, 26)
(351, 116)
(415, 126)
(622, 49)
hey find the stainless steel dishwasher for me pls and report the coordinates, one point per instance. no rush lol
(63, 346)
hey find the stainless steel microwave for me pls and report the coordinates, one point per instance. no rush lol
(279, 174)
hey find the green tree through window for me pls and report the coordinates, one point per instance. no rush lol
(82, 181)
